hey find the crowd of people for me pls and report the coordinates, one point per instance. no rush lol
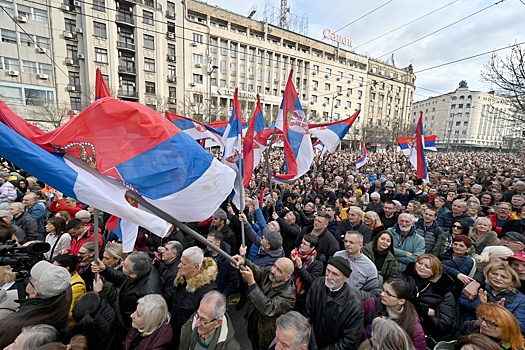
(342, 258)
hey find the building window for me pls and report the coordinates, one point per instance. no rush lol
(150, 87)
(11, 64)
(172, 71)
(327, 86)
(74, 79)
(147, 17)
(70, 24)
(76, 103)
(99, 5)
(26, 40)
(29, 67)
(197, 58)
(72, 52)
(99, 30)
(149, 41)
(170, 6)
(9, 9)
(8, 36)
(197, 38)
(171, 49)
(198, 98)
(197, 78)
(172, 92)
(213, 45)
(149, 64)
(233, 50)
(101, 55)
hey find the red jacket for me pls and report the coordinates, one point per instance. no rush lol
(496, 228)
(61, 204)
(88, 236)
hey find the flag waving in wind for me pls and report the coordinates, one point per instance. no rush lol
(406, 142)
(363, 159)
(252, 150)
(298, 151)
(101, 89)
(417, 154)
(196, 130)
(232, 155)
(332, 133)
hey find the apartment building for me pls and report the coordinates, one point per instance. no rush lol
(468, 120)
(185, 56)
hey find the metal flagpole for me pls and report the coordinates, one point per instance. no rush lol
(241, 185)
(95, 232)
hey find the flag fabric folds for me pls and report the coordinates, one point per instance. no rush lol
(101, 89)
(405, 143)
(319, 149)
(232, 154)
(195, 129)
(363, 159)
(332, 133)
(298, 152)
(252, 150)
(125, 230)
(130, 145)
(417, 154)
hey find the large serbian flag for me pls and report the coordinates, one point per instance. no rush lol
(331, 134)
(298, 151)
(405, 143)
(113, 146)
(252, 150)
(417, 154)
(195, 129)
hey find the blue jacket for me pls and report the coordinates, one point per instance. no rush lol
(446, 220)
(38, 211)
(412, 243)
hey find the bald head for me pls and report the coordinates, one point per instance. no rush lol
(287, 265)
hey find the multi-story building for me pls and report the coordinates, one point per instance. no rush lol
(468, 120)
(187, 57)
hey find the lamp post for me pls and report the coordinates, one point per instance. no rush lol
(333, 99)
(210, 72)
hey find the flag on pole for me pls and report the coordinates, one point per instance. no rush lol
(195, 129)
(331, 134)
(406, 142)
(252, 150)
(232, 154)
(101, 89)
(298, 152)
(125, 230)
(417, 154)
(363, 158)
(130, 145)
(71, 114)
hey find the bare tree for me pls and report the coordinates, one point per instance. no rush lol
(508, 75)
(50, 114)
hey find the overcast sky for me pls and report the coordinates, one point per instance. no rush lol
(495, 27)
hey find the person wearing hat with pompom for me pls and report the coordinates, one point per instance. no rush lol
(49, 300)
(334, 309)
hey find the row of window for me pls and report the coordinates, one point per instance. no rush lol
(31, 67)
(26, 95)
(9, 37)
(28, 12)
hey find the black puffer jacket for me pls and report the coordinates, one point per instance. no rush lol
(436, 296)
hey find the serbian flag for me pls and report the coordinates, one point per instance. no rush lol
(298, 152)
(417, 154)
(116, 145)
(125, 230)
(332, 133)
(232, 154)
(405, 143)
(196, 130)
(101, 89)
(363, 158)
(319, 149)
(220, 127)
(251, 149)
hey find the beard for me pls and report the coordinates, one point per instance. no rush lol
(274, 279)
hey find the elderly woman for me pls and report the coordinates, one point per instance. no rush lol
(482, 235)
(150, 327)
(388, 335)
(500, 287)
(372, 220)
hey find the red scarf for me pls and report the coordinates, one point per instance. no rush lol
(307, 260)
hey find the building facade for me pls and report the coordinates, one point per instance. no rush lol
(187, 57)
(469, 120)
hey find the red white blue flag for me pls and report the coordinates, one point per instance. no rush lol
(298, 152)
(195, 129)
(332, 133)
(363, 158)
(252, 150)
(417, 154)
(405, 143)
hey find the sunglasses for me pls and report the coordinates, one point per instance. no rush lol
(458, 227)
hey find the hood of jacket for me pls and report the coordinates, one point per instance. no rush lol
(206, 275)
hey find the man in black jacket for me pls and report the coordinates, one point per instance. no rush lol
(137, 279)
(169, 256)
(353, 223)
(334, 309)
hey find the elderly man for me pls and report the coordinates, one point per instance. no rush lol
(375, 203)
(195, 278)
(513, 240)
(168, 257)
(137, 279)
(364, 280)
(26, 222)
(270, 244)
(271, 293)
(408, 245)
(292, 332)
(7, 217)
(49, 301)
(354, 223)
(519, 188)
(33, 337)
(37, 210)
(334, 309)
(517, 202)
(501, 216)
(459, 207)
(210, 325)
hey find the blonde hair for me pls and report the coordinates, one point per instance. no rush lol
(505, 267)
(493, 252)
(155, 313)
(10, 276)
(372, 215)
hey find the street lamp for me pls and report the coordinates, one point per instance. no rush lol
(210, 72)
(333, 99)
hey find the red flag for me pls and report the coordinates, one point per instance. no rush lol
(248, 143)
(71, 114)
(101, 89)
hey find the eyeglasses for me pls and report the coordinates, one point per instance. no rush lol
(390, 294)
(458, 227)
(202, 320)
(32, 285)
(306, 244)
(489, 324)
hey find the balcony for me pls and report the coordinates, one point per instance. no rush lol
(127, 69)
(125, 46)
(170, 35)
(172, 79)
(128, 94)
(137, 2)
(126, 18)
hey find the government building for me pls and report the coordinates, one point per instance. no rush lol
(186, 57)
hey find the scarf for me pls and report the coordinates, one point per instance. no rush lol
(307, 260)
(83, 266)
